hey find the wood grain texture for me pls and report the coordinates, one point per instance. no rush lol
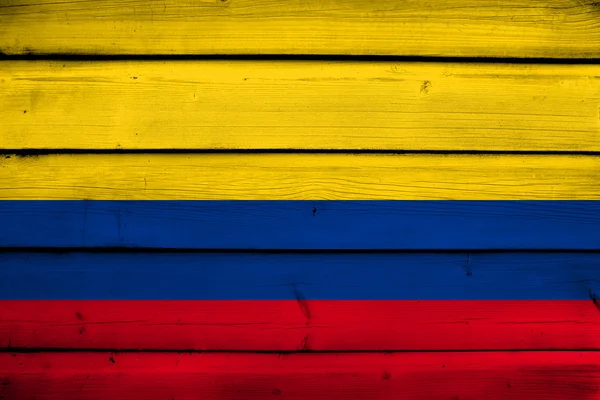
(299, 105)
(507, 28)
(288, 302)
(299, 177)
(289, 276)
(302, 224)
(308, 325)
(525, 375)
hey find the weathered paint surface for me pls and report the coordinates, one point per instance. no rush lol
(300, 325)
(303, 224)
(496, 375)
(488, 28)
(307, 105)
(300, 177)
(410, 215)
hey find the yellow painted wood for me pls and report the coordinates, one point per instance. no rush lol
(299, 105)
(299, 176)
(513, 28)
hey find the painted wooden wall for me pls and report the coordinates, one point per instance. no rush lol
(234, 199)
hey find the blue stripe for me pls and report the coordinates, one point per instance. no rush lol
(329, 276)
(336, 225)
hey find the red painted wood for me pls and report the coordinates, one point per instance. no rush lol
(497, 375)
(300, 325)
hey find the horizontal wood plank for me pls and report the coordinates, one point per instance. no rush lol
(288, 302)
(300, 325)
(299, 177)
(517, 28)
(299, 105)
(302, 225)
(526, 375)
(329, 276)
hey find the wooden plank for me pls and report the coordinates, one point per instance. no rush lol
(524, 375)
(288, 276)
(299, 177)
(299, 105)
(517, 28)
(302, 224)
(288, 302)
(311, 325)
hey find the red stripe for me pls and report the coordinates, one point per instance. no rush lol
(480, 375)
(301, 325)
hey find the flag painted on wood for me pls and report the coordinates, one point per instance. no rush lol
(477, 281)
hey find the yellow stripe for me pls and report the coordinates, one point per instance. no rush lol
(299, 176)
(512, 28)
(299, 105)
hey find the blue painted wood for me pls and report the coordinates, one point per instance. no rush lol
(334, 225)
(285, 276)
